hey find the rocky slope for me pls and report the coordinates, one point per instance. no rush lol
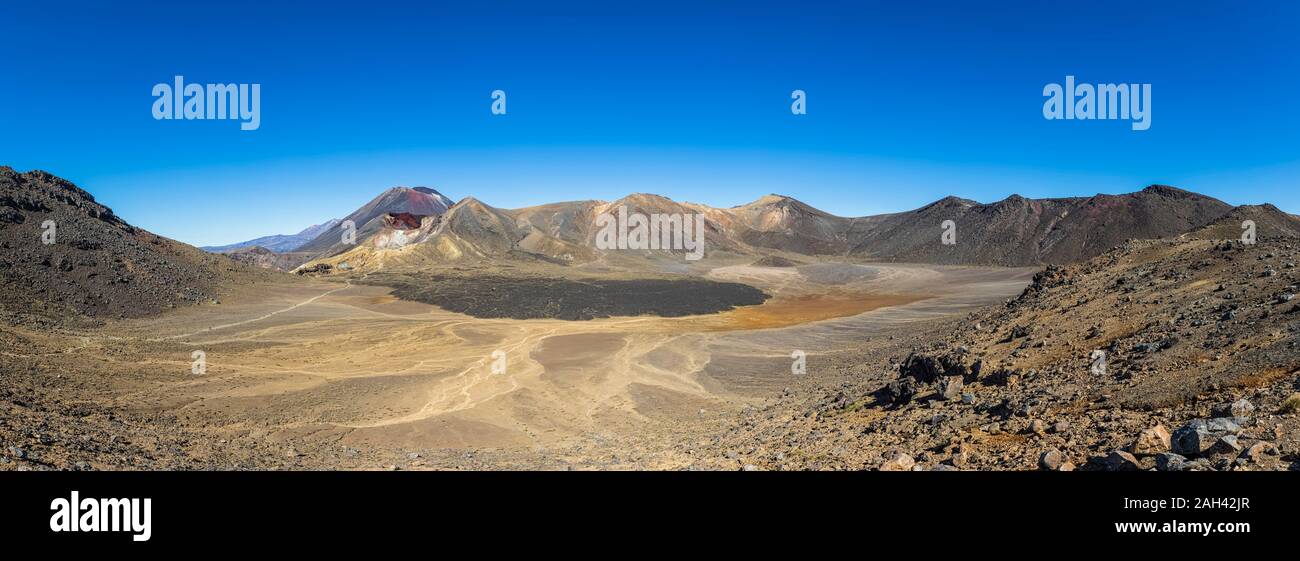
(1158, 354)
(1270, 224)
(97, 265)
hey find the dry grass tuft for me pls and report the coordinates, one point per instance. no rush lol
(1290, 405)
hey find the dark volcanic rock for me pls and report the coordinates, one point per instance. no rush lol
(928, 367)
(555, 298)
(1193, 439)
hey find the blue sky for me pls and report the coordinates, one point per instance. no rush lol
(907, 102)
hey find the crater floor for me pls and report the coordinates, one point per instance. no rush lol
(330, 374)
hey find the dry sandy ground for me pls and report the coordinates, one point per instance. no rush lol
(330, 374)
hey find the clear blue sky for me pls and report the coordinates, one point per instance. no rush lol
(907, 102)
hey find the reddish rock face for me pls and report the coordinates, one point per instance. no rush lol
(403, 220)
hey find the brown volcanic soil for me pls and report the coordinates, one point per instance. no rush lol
(337, 375)
(100, 266)
(775, 261)
(1188, 327)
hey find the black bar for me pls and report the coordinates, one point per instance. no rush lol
(312, 510)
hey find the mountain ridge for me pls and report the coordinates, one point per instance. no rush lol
(1014, 231)
(278, 243)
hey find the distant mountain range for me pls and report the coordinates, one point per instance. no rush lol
(418, 227)
(279, 243)
(1021, 231)
(1015, 231)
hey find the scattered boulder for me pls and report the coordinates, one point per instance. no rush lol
(1051, 460)
(1259, 450)
(950, 387)
(1240, 409)
(898, 461)
(1227, 444)
(1016, 333)
(1154, 440)
(900, 391)
(961, 457)
(1038, 427)
(1223, 426)
(1170, 462)
(924, 368)
(1120, 460)
(1004, 377)
(1146, 348)
(927, 368)
(1192, 439)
